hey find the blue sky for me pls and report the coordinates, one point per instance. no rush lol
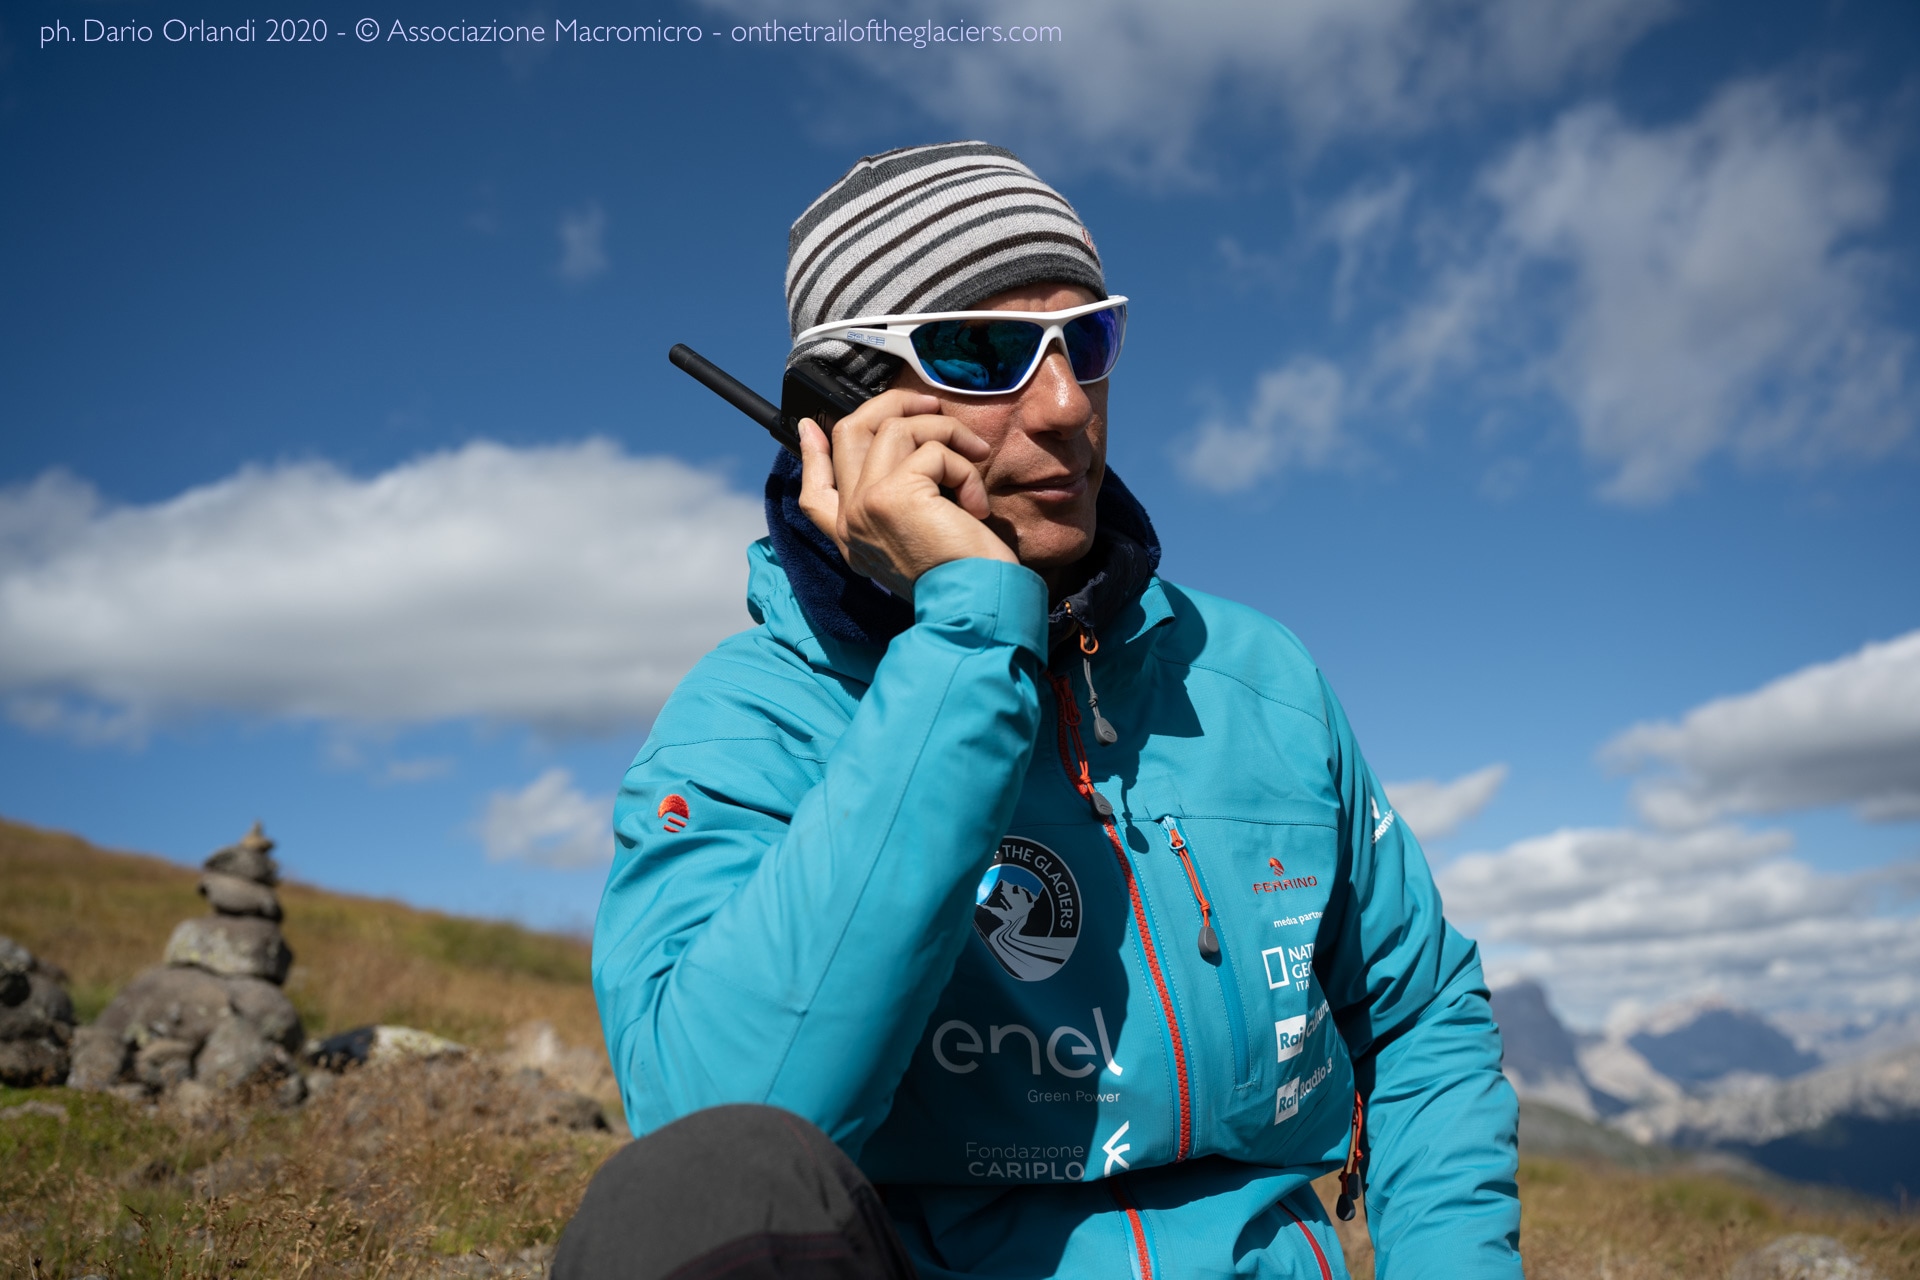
(1549, 368)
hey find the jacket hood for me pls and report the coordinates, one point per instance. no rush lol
(842, 606)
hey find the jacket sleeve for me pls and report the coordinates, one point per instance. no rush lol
(1406, 991)
(786, 939)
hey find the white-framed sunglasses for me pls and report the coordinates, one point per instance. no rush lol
(990, 353)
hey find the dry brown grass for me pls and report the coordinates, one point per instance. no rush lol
(105, 916)
(1592, 1221)
(394, 1171)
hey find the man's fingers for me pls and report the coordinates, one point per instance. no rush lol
(949, 470)
(898, 438)
(819, 495)
(853, 435)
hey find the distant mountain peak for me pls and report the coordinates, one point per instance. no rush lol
(1539, 1054)
(1717, 1042)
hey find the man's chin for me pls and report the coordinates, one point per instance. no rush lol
(1053, 546)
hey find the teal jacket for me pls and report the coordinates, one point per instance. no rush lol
(1078, 1009)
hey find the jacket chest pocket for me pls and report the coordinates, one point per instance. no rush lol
(1260, 892)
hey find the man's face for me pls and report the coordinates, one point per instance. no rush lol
(1049, 442)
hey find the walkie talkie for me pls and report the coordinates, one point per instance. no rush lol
(812, 389)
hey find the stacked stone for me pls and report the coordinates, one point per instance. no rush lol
(36, 1019)
(214, 1013)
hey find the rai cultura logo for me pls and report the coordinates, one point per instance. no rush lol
(1027, 909)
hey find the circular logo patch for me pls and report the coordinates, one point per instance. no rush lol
(1027, 909)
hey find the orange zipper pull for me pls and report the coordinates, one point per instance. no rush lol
(1103, 732)
(1070, 720)
(1209, 940)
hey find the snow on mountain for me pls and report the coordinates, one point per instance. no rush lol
(1886, 1087)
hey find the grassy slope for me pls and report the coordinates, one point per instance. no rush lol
(385, 1177)
(105, 916)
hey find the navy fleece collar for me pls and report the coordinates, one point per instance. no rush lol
(847, 607)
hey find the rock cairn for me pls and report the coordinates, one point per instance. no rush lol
(36, 1019)
(212, 1015)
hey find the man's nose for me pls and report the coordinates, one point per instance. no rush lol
(1055, 401)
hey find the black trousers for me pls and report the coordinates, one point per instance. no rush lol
(731, 1193)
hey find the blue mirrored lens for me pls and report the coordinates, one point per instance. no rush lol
(994, 355)
(1093, 342)
(977, 355)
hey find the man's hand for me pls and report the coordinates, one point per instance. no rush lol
(876, 493)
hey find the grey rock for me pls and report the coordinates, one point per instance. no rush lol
(247, 859)
(29, 1023)
(234, 896)
(163, 1062)
(194, 1102)
(27, 1063)
(575, 1111)
(16, 962)
(99, 1058)
(1801, 1257)
(236, 1054)
(51, 997)
(232, 946)
(380, 1044)
(292, 1091)
(545, 1103)
(169, 1003)
(51, 1110)
(24, 1022)
(47, 1012)
(539, 1046)
(48, 969)
(267, 1008)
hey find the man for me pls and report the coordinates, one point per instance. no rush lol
(1055, 897)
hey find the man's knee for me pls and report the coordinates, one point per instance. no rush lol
(751, 1190)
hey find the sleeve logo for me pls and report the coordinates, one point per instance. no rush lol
(674, 810)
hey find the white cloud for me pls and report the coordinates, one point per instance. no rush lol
(1295, 422)
(1435, 810)
(1359, 225)
(1839, 733)
(565, 587)
(1699, 286)
(1132, 84)
(549, 823)
(1605, 916)
(583, 244)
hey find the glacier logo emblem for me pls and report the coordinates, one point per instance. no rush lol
(1027, 910)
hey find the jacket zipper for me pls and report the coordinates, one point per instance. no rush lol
(1136, 1224)
(1073, 759)
(1212, 952)
(1319, 1255)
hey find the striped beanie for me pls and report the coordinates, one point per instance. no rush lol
(935, 228)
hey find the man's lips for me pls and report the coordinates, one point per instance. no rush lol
(1054, 488)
